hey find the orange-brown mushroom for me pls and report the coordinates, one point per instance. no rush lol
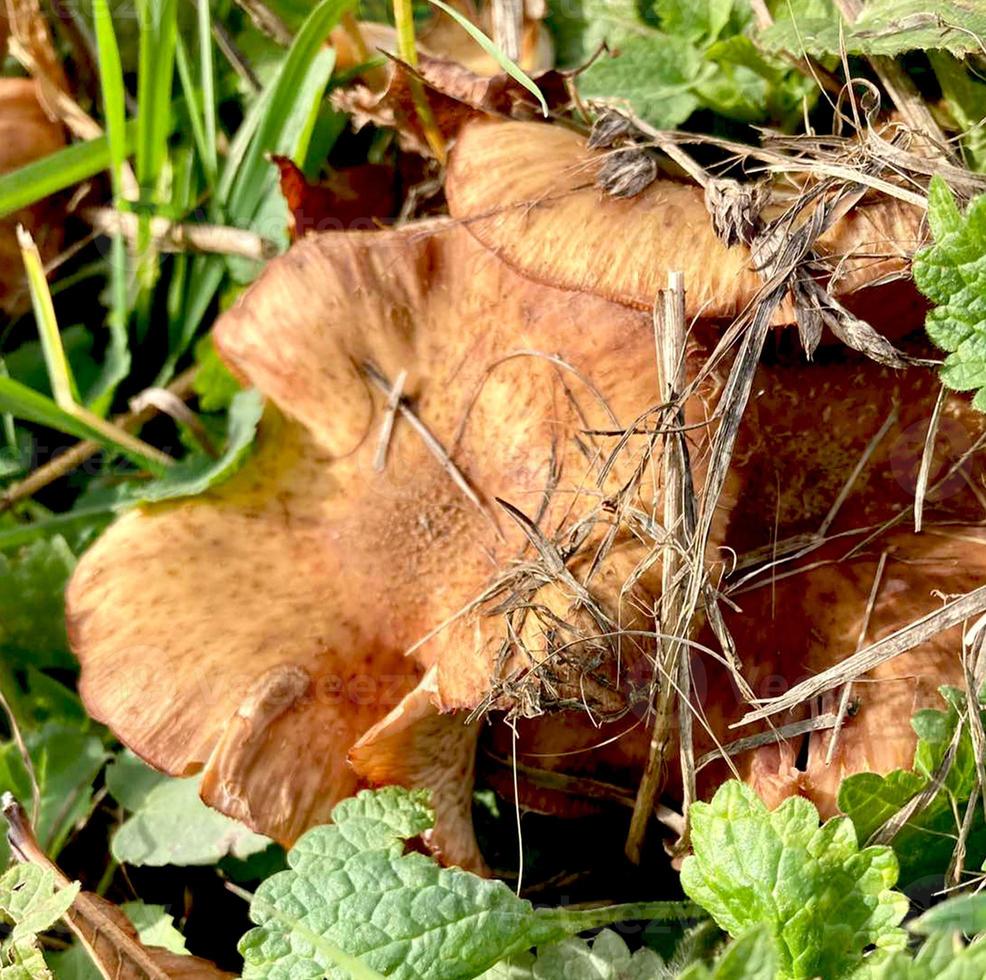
(26, 135)
(318, 621)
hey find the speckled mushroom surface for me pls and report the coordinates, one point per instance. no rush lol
(317, 622)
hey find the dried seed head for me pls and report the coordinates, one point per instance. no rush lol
(627, 173)
(735, 209)
(608, 129)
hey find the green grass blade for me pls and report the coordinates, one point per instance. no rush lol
(280, 121)
(158, 34)
(158, 20)
(284, 108)
(209, 159)
(116, 364)
(31, 406)
(59, 372)
(56, 172)
(493, 51)
(85, 517)
(195, 114)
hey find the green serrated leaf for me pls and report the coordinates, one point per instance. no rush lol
(823, 899)
(952, 273)
(655, 74)
(351, 892)
(607, 957)
(171, 825)
(25, 961)
(964, 913)
(884, 27)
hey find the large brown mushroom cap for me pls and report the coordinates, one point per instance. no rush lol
(26, 135)
(528, 192)
(259, 632)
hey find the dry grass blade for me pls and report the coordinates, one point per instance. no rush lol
(104, 930)
(679, 521)
(921, 489)
(434, 446)
(794, 730)
(900, 641)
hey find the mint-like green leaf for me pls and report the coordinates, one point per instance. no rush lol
(198, 474)
(884, 27)
(30, 902)
(154, 926)
(655, 74)
(173, 826)
(964, 93)
(952, 273)
(694, 20)
(925, 843)
(32, 607)
(353, 896)
(942, 957)
(823, 899)
(130, 780)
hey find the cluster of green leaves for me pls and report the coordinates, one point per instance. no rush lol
(31, 904)
(800, 900)
(669, 58)
(951, 272)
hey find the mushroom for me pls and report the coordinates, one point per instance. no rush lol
(26, 135)
(320, 621)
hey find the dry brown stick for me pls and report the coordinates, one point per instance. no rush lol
(898, 642)
(170, 236)
(670, 330)
(66, 462)
(508, 19)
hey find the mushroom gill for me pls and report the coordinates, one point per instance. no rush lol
(318, 621)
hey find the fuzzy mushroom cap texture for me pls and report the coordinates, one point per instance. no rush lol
(26, 135)
(528, 192)
(260, 633)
